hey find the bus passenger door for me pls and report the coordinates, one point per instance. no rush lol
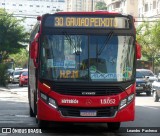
(32, 84)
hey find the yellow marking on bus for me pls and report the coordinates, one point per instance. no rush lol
(46, 85)
(85, 22)
(68, 74)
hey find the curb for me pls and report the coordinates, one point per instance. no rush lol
(4, 89)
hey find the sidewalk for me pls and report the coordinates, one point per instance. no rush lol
(4, 89)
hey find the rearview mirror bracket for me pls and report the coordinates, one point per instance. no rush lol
(34, 51)
(138, 51)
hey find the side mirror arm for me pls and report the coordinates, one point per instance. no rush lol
(34, 51)
(138, 51)
(35, 56)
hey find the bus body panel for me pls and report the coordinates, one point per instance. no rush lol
(96, 101)
(46, 112)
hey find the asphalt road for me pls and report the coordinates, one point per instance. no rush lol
(14, 112)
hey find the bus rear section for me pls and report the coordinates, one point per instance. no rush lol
(82, 68)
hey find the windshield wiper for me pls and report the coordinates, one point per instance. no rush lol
(68, 37)
(109, 37)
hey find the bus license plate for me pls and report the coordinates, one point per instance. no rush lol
(88, 113)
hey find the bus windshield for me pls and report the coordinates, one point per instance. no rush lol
(87, 57)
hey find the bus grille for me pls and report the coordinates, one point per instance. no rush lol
(87, 90)
(101, 112)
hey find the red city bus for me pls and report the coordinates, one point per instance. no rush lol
(82, 68)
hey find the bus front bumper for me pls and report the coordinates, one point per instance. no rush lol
(48, 113)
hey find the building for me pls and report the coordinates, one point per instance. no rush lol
(81, 5)
(30, 9)
(149, 10)
(123, 6)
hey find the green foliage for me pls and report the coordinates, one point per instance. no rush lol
(3, 75)
(148, 35)
(156, 34)
(100, 5)
(21, 58)
(12, 34)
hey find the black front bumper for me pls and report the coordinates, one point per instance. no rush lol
(143, 87)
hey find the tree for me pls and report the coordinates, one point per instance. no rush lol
(21, 58)
(12, 37)
(100, 5)
(144, 38)
(12, 34)
(3, 75)
(148, 35)
(156, 33)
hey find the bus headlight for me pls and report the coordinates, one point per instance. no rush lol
(123, 103)
(126, 101)
(52, 103)
(48, 100)
(44, 97)
(130, 97)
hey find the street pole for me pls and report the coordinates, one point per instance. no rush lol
(153, 63)
(92, 5)
(4, 5)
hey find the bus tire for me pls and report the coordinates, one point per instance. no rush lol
(113, 125)
(42, 124)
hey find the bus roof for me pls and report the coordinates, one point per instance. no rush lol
(89, 13)
(105, 19)
(101, 12)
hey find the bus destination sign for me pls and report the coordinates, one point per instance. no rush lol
(87, 22)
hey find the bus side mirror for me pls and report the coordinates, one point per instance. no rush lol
(34, 49)
(138, 51)
(34, 52)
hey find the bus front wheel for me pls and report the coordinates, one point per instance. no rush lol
(113, 125)
(42, 124)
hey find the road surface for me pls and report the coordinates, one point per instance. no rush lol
(15, 113)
